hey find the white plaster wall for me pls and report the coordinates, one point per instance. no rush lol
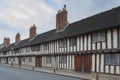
(93, 62)
(107, 69)
(97, 64)
(103, 45)
(112, 69)
(102, 63)
(89, 42)
(85, 42)
(81, 43)
(117, 69)
(78, 44)
(32, 63)
(109, 39)
(98, 45)
(93, 46)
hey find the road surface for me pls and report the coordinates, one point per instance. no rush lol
(10, 73)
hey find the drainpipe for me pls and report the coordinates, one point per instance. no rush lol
(54, 70)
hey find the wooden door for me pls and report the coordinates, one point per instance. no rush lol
(38, 61)
(87, 63)
(6, 60)
(78, 63)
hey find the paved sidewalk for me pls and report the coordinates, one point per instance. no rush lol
(88, 76)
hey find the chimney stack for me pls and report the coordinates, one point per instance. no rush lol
(17, 38)
(61, 19)
(6, 41)
(32, 31)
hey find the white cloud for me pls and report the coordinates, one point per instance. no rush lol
(21, 14)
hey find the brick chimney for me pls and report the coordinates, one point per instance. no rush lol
(61, 19)
(17, 38)
(6, 41)
(32, 31)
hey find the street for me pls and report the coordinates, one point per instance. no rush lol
(10, 73)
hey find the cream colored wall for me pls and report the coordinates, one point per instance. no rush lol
(27, 63)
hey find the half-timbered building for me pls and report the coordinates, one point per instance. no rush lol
(88, 45)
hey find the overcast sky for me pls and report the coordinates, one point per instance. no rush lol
(19, 15)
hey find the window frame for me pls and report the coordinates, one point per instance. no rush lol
(35, 47)
(46, 46)
(62, 43)
(72, 42)
(48, 59)
(112, 59)
(63, 59)
(99, 37)
(29, 59)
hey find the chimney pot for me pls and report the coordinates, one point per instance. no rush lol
(17, 38)
(6, 41)
(59, 11)
(32, 31)
(61, 19)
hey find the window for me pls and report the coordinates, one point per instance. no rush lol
(30, 59)
(16, 51)
(46, 46)
(102, 36)
(117, 59)
(4, 53)
(94, 39)
(62, 43)
(48, 59)
(21, 50)
(35, 48)
(27, 49)
(98, 37)
(63, 59)
(23, 59)
(112, 59)
(13, 59)
(73, 42)
(9, 59)
(107, 59)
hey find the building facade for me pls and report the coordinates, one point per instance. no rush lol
(88, 45)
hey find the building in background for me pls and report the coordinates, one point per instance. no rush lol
(88, 45)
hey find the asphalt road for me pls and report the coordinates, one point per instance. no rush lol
(10, 73)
